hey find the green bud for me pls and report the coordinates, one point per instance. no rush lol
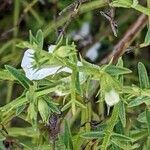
(43, 109)
(63, 51)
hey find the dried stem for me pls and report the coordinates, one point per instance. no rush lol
(129, 36)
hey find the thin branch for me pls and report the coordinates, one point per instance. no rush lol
(72, 16)
(86, 7)
(124, 43)
(71, 6)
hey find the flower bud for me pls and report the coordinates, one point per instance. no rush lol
(111, 98)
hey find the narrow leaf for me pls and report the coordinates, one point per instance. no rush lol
(40, 38)
(92, 135)
(122, 113)
(110, 126)
(116, 70)
(121, 137)
(147, 38)
(143, 77)
(67, 137)
(53, 106)
(138, 101)
(25, 82)
(148, 118)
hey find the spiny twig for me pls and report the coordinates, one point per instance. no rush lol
(113, 23)
(72, 6)
(110, 17)
(72, 16)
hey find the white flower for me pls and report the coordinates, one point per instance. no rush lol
(111, 98)
(37, 74)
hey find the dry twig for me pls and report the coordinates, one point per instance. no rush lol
(129, 36)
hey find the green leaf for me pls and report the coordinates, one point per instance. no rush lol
(66, 106)
(32, 38)
(22, 100)
(138, 101)
(92, 135)
(148, 115)
(80, 104)
(44, 147)
(121, 137)
(90, 69)
(142, 117)
(120, 64)
(45, 91)
(124, 145)
(110, 126)
(138, 134)
(78, 86)
(147, 38)
(122, 113)
(25, 82)
(65, 51)
(40, 39)
(116, 70)
(32, 115)
(53, 106)
(24, 131)
(143, 77)
(20, 109)
(119, 143)
(148, 118)
(30, 94)
(67, 137)
(43, 109)
(14, 104)
(24, 44)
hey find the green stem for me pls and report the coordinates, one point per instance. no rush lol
(15, 23)
(88, 117)
(110, 127)
(9, 91)
(16, 17)
(73, 92)
(142, 9)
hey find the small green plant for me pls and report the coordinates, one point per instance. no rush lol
(50, 121)
(68, 103)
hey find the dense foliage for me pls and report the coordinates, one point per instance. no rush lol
(73, 78)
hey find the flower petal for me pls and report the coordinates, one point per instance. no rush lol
(27, 59)
(35, 74)
(41, 73)
(111, 98)
(38, 74)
